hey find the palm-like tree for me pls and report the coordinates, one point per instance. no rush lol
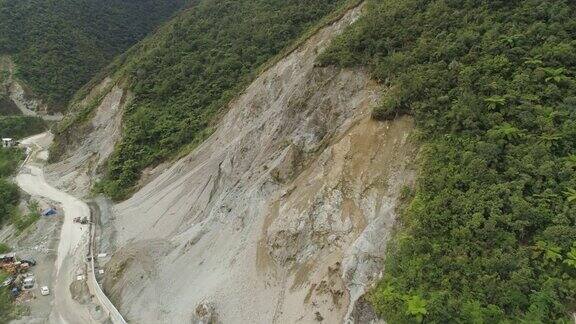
(571, 257)
(533, 61)
(570, 161)
(549, 138)
(495, 101)
(511, 40)
(547, 196)
(549, 251)
(555, 75)
(570, 195)
(416, 307)
(506, 131)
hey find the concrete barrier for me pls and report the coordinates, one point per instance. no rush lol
(109, 308)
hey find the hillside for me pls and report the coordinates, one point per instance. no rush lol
(266, 176)
(58, 45)
(181, 77)
(279, 216)
(489, 235)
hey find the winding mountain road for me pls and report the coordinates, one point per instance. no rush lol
(74, 238)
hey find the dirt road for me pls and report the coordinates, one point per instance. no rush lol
(73, 237)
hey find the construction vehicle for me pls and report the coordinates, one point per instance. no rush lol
(83, 220)
(30, 261)
(28, 282)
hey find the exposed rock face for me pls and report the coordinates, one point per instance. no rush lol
(22, 98)
(84, 159)
(28, 106)
(281, 216)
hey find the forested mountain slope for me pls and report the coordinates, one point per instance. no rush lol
(58, 45)
(183, 75)
(490, 233)
(280, 216)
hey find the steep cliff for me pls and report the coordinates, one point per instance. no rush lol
(90, 145)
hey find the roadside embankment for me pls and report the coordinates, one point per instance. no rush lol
(70, 269)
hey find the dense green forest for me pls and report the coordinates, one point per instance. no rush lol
(185, 74)
(58, 45)
(9, 194)
(490, 233)
(7, 106)
(18, 127)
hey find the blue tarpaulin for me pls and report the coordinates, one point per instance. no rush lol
(49, 212)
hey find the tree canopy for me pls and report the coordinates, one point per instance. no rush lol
(490, 233)
(58, 45)
(17, 127)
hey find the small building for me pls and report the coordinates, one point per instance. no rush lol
(8, 142)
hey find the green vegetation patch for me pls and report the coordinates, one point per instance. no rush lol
(18, 127)
(23, 220)
(7, 309)
(58, 45)
(184, 75)
(490, 234)
(9, 193)
(9, 161)
(7, 106)
(9, 197)
(4, 248)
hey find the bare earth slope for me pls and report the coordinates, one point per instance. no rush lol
(84, 158)
(19, 96)
(282, 215)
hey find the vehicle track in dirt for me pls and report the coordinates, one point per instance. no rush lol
(73, 244)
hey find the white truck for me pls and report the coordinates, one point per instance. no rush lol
(44, 291)
(28, 282)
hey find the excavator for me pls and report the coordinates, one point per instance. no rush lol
(83, 220)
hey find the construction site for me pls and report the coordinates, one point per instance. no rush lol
(53, 266)
(21, 279)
